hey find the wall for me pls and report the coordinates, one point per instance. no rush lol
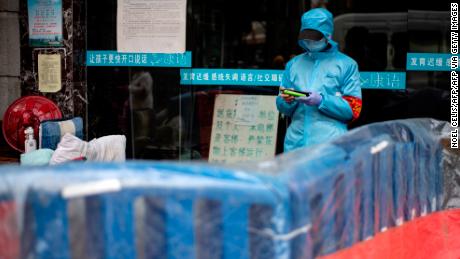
(71, 99)
(9, 53)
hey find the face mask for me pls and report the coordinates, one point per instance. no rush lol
(314, 45)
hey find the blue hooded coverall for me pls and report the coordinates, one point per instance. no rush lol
(332, 74)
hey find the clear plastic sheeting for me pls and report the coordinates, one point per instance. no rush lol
(304, 204)
(145, 210)
(370, 180)
(451, 168)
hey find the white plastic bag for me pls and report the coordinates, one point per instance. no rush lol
(105, 149)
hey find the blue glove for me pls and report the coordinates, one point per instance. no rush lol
(314, 99)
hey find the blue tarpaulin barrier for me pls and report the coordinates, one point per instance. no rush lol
(303, 204)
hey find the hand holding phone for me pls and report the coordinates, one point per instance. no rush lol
(287, 98)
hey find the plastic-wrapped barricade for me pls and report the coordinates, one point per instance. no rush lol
(336, 200)
(150, 211)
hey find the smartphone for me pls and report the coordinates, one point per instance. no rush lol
(295, 93)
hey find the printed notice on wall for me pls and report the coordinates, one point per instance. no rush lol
(247, 109)
(49, 73)
(151, 26)
(45, 22)
(244, 128)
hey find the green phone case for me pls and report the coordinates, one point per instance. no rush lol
(292, 93)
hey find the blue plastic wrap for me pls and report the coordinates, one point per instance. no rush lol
(304, 204)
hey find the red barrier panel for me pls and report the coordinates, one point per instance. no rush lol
(9, 236)
(434, 236)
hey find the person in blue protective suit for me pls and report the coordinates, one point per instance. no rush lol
(331, 78)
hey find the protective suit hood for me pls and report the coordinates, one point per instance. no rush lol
(321, 20)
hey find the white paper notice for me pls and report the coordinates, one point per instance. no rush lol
(247, 109)
(151, 26)
(244, 128)
(49, 73)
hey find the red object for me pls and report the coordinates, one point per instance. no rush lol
(355, 105)
(80, 158)
(26, 112)
(9, 234)
(435, 236)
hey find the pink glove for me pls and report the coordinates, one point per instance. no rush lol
(314, 99)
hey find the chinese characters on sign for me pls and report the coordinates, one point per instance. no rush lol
(235, 139)
(253, 77)
(428, 62)
(45, 22)
(49, 73)
(151, 26)
(113, 58)
(246, 110)
(383, 80)
(248, 77)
